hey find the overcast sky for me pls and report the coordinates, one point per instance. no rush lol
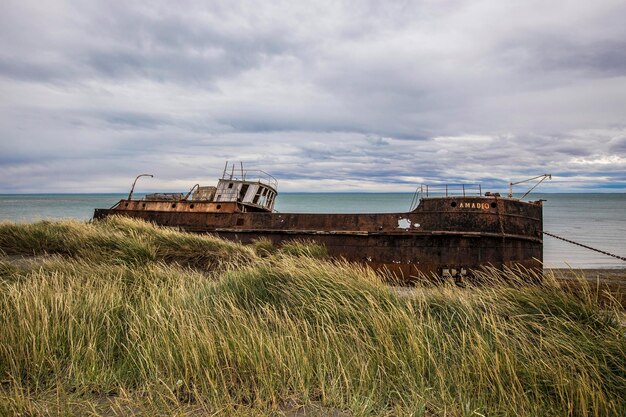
(325, 95)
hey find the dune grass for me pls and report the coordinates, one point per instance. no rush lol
(120, 240)
(121, 318)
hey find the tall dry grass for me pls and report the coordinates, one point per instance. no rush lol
(119, 240)
(100, 329)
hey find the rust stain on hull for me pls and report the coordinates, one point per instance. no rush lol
(441, 234)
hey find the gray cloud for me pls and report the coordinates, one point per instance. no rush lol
(331, 95)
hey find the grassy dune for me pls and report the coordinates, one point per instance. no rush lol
(120, 318)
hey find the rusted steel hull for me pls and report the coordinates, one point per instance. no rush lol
(441, 235)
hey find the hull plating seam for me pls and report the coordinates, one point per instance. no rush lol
(365, 233)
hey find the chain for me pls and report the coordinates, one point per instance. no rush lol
(585, 246)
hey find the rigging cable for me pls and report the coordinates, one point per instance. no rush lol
(585, 246)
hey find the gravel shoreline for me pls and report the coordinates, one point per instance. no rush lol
(614, 275)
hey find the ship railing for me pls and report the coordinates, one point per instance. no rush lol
(249, 175)
(445, 190)
(451, 190)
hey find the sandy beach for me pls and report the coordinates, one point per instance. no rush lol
(612, 280)
(608, 275)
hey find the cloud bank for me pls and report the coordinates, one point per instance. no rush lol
(328, 96)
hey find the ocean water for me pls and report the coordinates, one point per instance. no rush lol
(597, 220)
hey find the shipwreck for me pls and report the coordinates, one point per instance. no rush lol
(450, 230)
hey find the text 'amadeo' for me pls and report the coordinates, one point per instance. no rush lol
(484, 206)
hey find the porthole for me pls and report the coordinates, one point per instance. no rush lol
(191, 206)
(174, 205)
(126, 205)
(219, 206)
(453, 204)
(493, 205)
(143, 205)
